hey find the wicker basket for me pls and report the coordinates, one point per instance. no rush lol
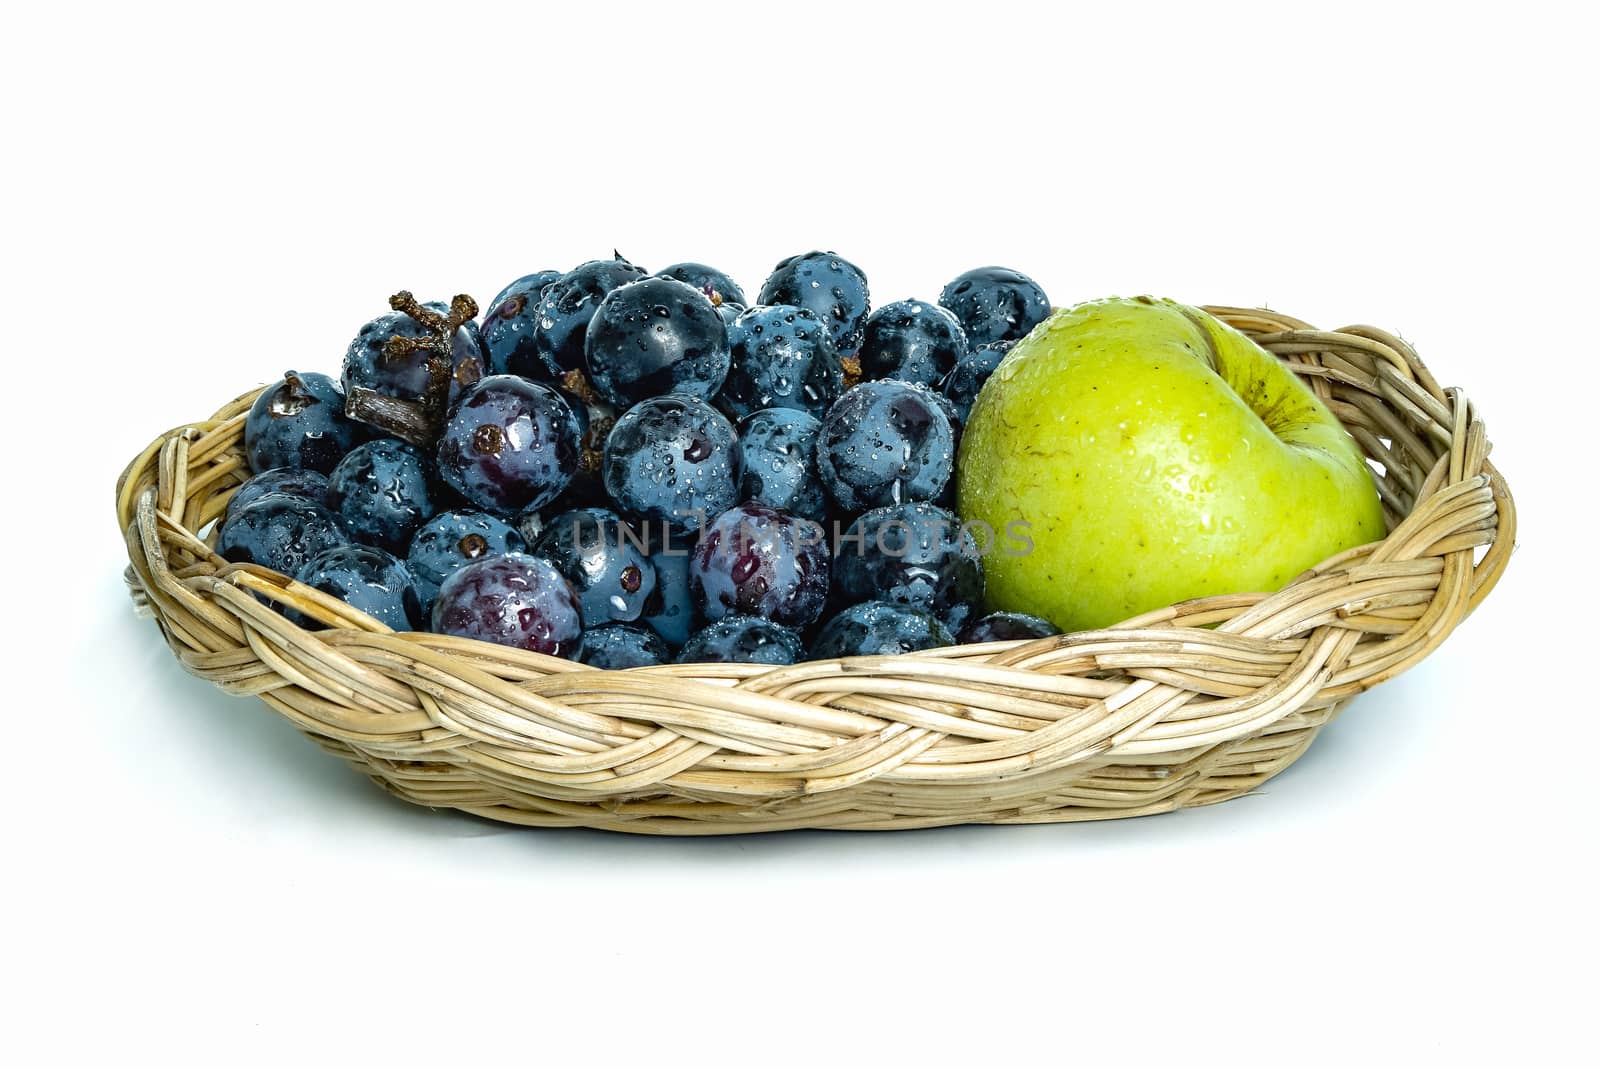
(1193, 704)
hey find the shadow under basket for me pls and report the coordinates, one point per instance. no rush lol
(1193, 704)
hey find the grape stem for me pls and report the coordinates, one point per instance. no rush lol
(420, 421)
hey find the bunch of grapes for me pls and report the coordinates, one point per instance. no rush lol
(627, 468)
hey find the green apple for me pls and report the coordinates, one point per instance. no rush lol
(1132, 453)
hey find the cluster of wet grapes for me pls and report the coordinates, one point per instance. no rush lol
(628, 468)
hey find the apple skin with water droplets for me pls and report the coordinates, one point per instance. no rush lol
(1154, 454)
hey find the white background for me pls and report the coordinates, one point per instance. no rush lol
(199, 198)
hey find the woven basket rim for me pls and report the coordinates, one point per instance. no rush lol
(1189, 704)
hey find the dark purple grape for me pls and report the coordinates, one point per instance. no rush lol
(566, 307)
(756, 560)
(709, 280)
(781, 357)
(744, 639)
(670, 610)
(962, 384)
(833, 287)
(1006, 626)
(653, 337)
(604, 559)
(912, 341)
(995, 304)
(778, 455)
(877, 628)
(451, 540)
(368, 364)
(280, 532)
(885, 442)
(302, 483)
(368, 579)
(619, 646)
(384, 491)
(509, 444)
(299, 422)
(915, 555)
(516, 600)
(671, 461)
(508, 326)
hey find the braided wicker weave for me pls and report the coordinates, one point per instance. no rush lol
(1189, 705)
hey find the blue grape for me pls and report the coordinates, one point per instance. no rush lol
(780, 357)
(516, 600)
(508, 326)
(708, 280)
(670, 461)
(1006, 626)
(510, 444)
(653, 337)
(995, 304)
(451, 540)
(670, 610)
(756, 560)
(384, 491)
(915, 555)
(912, 341)
(877, 628)
(368, 579)
(619, 646)
(833, 287)
(744, 639)
(280, 532)
(566, 307)
(962, 385)
(302, 483)
(299, 422)
(604, 560)
(885, 442)
(778, 455)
